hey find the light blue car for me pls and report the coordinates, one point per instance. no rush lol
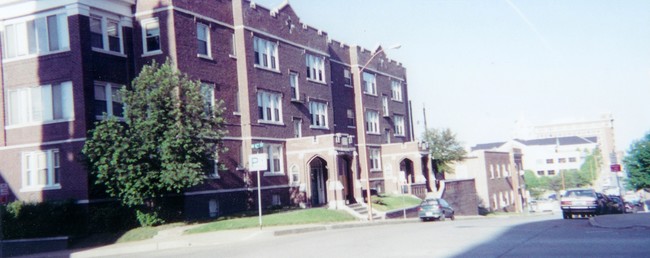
(435, 209)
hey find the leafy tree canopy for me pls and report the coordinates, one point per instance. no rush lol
(444, 148)
(165, 143)
(637, 164)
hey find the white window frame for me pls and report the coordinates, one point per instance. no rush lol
(206, 31)
(109, 90)
(266, 54)
(294, 85)
(207, 91)
(351, 118)
(315, 68)
(31, 171)
(294, 177)
(297, 128)
(17, 45)
(369, 84)
(398, 120)
(146, 51)
(233, 46)
(319, 117)
(375, 159)
(103, 22)
(347, 77)
(37, 105)
(214, 170)
(213, 208)
(384, 106)
(396, 91)
(275, 156)
(372, 121)
(269, 101)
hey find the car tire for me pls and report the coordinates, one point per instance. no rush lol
(567, 215)
(453, 216)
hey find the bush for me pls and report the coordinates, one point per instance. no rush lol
(110, 217)
(148, 219)
(46, 219)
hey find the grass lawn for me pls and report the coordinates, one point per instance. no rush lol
(393, 202)
(293, 217)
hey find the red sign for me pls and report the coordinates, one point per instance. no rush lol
(615, 167)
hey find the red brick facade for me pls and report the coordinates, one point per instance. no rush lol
(314, 169)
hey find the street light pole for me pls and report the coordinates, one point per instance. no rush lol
(361, 130)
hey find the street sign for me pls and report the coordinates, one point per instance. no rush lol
(257, 162)
(258, 145)
(615, 167)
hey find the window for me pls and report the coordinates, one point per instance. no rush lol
(203, 40)
(42, 35)
(549, 161)
(399, 125)
(540, 172)
(213, 208)
(105, 34)
(561, 160)
(384, 105)
(318, 111)
(274, 161)
(233, 46)
(351, 117)
(41, 169)
(387, 135)
(293, 82)
(396, 87)
(572, 159)
(207, 91)
(40, 104)
(108, 100)
(297, 128)
(375, 160)
(151, 36)
(269, 107)
(315, 68)
(266, 53)
(295, 175)
(372, 121)
(347, 76)
(551, 172)
(275, 200)
(213, 170)
(369, 84)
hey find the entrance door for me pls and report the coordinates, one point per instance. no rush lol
(347, 179)
(318, 178)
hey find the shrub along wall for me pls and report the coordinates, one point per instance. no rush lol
(47, 219)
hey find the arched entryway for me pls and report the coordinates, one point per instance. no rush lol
(406, 167)
(318, 178)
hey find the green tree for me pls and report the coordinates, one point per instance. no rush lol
(534, 184)
(637, 164)
(444, 148)
(167, 141)
(590, 168)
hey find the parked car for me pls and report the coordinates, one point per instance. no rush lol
(435, 208)
(582, 201)
(617, 204)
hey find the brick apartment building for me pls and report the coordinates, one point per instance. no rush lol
(329, 115)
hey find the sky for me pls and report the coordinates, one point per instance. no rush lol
(479, 66)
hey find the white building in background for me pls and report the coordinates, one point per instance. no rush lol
(600, 131)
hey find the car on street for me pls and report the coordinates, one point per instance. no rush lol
(617, 205)
(435, 209)
(582, 201)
